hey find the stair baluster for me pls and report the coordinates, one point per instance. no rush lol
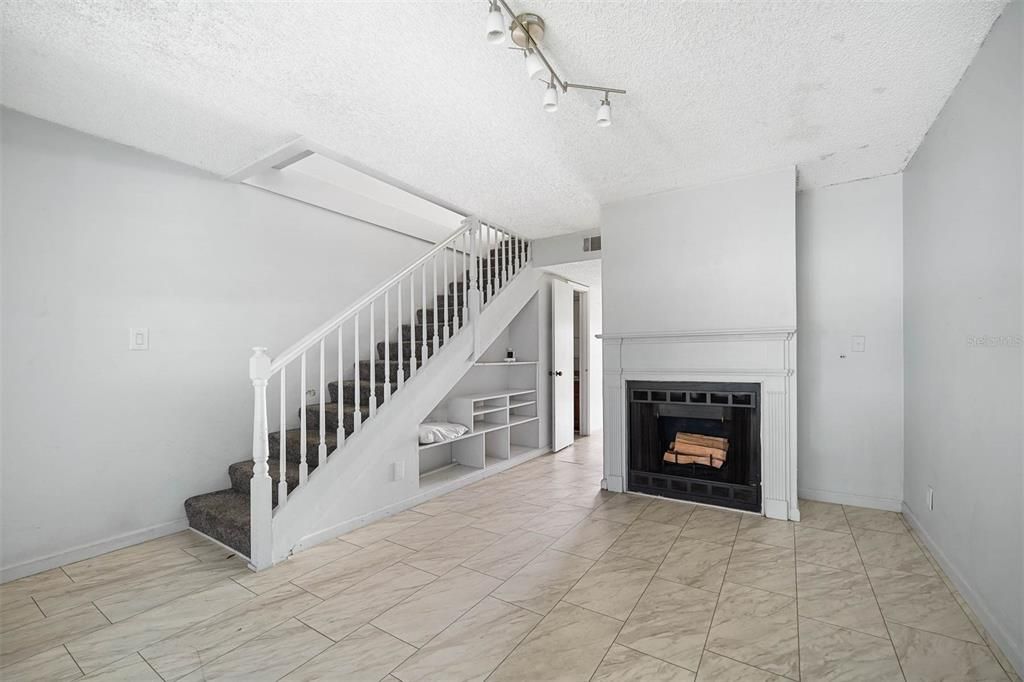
(282, 442)
(412, 326)
(341, 388)
(321, 450)
(303, 468)
(373, 367)
(387, 351)
(357, 414)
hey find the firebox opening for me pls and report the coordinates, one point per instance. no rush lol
(697, 441)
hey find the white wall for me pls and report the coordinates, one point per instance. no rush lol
(963, 280)
(101, 444)
(718, 257)
(849, 263)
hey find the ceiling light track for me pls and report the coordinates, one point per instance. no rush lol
(527, 30)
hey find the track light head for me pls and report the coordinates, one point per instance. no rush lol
(495, 25)
(534, 66)
(604, 113)
(551, 97)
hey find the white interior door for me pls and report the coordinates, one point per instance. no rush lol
(561, 364)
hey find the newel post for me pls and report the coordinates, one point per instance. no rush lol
(260, 500)
(473, 296)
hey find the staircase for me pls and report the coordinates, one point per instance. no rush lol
(421, 310)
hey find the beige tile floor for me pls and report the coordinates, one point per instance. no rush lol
(535, 574)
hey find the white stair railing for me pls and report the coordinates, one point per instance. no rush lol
(488, 256)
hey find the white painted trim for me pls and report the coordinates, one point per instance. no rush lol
(702, 334)
(218, 542)
(852, 499)
(1012, 649)
(408, 503)
(89, 550)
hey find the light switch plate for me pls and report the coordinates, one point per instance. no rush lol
(138, 338)
(857, 344)
(398, 471)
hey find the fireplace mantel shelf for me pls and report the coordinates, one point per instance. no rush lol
(774, 332)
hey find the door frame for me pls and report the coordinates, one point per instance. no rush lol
(584, 292)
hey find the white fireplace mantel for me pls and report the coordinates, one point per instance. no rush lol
(764, 356)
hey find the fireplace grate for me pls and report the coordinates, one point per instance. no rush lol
(743, 497)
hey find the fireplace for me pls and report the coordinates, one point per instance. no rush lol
(697, 441)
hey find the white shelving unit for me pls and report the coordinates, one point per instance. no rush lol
(504, 426)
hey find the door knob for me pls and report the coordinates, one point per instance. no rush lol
(558, 373)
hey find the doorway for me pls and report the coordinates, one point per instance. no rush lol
(570, 369)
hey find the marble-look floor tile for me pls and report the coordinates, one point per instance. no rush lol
(758, 628)
(672, 512)
(556, 522)
(568, 644)
(446, 554)
(715, 668)
(898, 551)
(102, 647)
(647, 540)
(590, 538)
(18, 612)
(766, 531)
(185, 651)
(763, 566)
(670, 622)
(52, 665)
(141, 558)
(613, 585)
(832, 654)
(129, 669)
(840, 598)
(539, 585)
(122, 605)
(921, 602)
(268, 657)
(426, 533)
(472, 646)
(34, 638)
(696, 563)
(712, 525)
(505, 521)
(823, 516)
(343, 573)
(295, 566)
(503, 558)
(828, 548)
(368, 654)
(587, 497)
(208, 551)
(929, 657)
(436, 606)
(29, 586)
(381, 530)
(874, 519)
(622, 664)
(346, 611)
(623, 508)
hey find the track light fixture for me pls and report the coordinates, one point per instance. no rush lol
(495, 25)
(534, 66)
(527, 31)
(604, 113)
(551, 98)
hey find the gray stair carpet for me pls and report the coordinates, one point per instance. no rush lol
(224, 514)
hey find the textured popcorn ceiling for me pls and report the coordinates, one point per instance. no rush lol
(411, 89)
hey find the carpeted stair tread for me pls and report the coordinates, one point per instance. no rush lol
(293, 440)
(349, 387)
(222, 515)
(240, 474)
(446, 314)
(331, 418)
(408, 350)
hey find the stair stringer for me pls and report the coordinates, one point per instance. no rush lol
(356, 485)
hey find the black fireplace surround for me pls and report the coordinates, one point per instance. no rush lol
(660, 409)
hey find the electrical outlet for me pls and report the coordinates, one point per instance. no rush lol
(857, 344)
(931, 498)
(398, 471)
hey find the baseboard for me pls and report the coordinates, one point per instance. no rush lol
(1012, 649)
(87, 551)
(883, 503)
(366, 519)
